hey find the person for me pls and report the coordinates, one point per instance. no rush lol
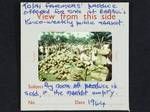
(85, 58)
(46, 51)
(41, 49)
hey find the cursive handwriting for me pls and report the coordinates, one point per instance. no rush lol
(96, 103)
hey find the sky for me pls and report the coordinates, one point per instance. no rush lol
(76, 34)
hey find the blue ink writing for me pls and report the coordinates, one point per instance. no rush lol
(77, 93)
(61, 86)
(104, 93)
(96, 85)
(49, 87)
(96, 103)
(59, 93)
(31, 93)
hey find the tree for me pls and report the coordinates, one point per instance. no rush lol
(101, 37)
(47, 39)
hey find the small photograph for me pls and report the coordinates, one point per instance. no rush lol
(75, 56)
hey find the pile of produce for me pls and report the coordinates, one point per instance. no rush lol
(65, 64)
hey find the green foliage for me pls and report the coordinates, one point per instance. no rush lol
(101, 38)
(47, 39)
(61, 37)
(104, 36)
